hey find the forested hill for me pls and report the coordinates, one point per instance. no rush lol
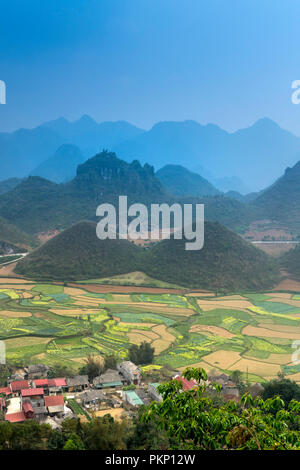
(226, 261)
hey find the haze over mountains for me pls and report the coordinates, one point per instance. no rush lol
(60, 167)
(24, 150)
(37, 204)
(247, 160)
(33, 205)
(257, 154)
(281, 201)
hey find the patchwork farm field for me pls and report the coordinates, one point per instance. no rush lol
(55, 323)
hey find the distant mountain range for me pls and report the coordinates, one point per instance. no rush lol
(38, 205)
(247, 160)
(226, 261)
(256, 155)
(22, 151)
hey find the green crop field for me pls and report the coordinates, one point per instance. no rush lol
(50, 323)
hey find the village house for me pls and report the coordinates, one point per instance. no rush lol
(230, 392)
(55, 405)
(40, 383)
(5, 391)
(15, 377)
(77, 383)
(220, 379)
(38, 371)
(17, 386)
(141, 393)
(130, 372)
(129, 396)
(39, 412)
(110, 379)
(27, 410)
(17, 417)
(34, 395)
(50, 386)
(56, 386)
(153, 393)
(186, 384)
(116, 402)
(94, 399)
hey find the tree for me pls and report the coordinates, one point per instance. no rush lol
(92, 368)
(147, 436)
(74, 443)
(105, 434)
(285, 388)
(5, 371)
(56, 441)
(236, 376)
(142, 354)
(29, 435)
(110, 362)
(59, 370)
(197, 423)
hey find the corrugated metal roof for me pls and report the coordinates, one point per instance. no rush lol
(134, 397)
(111, 384)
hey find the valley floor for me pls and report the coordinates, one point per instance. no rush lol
(55, 323)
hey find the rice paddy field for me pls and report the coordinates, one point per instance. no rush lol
(55, 323)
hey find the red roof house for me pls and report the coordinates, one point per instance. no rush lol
(5, 391)
(55, 404)
(19, 385)
(28, 410)
(15, 417)
(54, 400)
(60, 382)
(32, 392)
(41, 383)
(186, 384)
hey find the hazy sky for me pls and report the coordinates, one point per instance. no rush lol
(229, 62)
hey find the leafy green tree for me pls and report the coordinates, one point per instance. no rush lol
(56, 441)
(110, 362)
(142, 354)
(236, 376)
(92, 368)
(285, 388)
(6, 433)
(105, 434)
(59, 370)
(5, 371)
(29, 435)
(74, 443)
(197, 423)
(147, 435)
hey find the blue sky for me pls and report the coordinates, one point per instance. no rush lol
(228, 62)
